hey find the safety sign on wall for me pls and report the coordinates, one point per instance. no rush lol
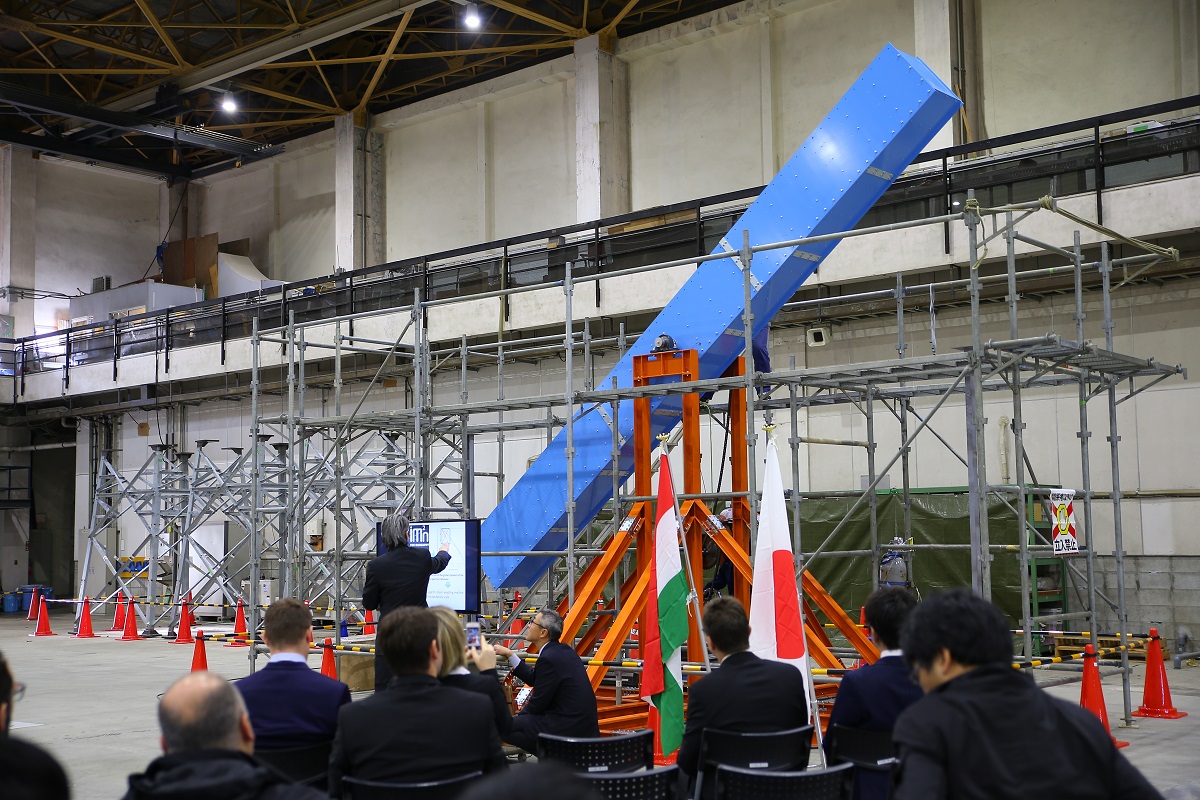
(1063, 513)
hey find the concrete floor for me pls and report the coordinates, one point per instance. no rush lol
(92, 703)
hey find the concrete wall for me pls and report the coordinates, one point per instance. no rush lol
(1161, 592)
(89, 222)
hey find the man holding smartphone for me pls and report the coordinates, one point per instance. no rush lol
(562, 702)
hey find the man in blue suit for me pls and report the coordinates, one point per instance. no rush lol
(872, 698)
(562, 702)
(289, 704)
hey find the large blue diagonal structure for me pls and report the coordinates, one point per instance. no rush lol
(870, 136)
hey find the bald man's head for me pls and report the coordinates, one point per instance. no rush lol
(203, 711)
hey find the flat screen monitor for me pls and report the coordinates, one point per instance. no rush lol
(458, 585)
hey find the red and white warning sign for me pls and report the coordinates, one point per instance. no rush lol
(1063, 509)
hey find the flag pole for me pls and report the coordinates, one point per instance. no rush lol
(693, 595)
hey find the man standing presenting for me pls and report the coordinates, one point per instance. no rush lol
(399, 577)
(871, 698)
(290, 705)
(562, 702)
(746, 694)
(984, 729)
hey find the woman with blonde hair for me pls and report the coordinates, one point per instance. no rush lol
(454, 673)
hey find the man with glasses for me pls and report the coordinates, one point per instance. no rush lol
(562, 702)
(26, 770)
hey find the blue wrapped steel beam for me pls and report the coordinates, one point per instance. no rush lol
(870, 136)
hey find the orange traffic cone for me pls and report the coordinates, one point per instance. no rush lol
(1092, 696)
(239, 627)
(43, 621)
(199, 657)
(369, 624)
(85, 622)
(328, 662)
(33, 606)
(130, 633)
(1156, 696)
(185, 625)
(119, 617)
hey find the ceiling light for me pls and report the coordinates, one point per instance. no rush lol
(228, 103)
(471, 17)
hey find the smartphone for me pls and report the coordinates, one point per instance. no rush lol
(474, 637)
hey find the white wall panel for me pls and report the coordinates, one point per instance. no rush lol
(305, 233)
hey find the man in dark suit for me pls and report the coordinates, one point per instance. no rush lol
(986, 730)
(746, 694)
(562, 702)
(290, 705)
(399, 577)
(872, 697)
(415, 730)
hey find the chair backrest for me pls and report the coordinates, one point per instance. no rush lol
(359, 789)
(625, 753)
(865, 749)
(308, 765)
(659, 783)
(777, 750)
(739, 783)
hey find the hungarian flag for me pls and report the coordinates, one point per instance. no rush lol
(666, 620)
(776, 630)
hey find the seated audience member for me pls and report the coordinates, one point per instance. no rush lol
(746, 693)
(872, 697)
(290, 705)
(27, 772)
(984, 729)
(209, 746)
(562, 702)
(454, 672)
(415, 730)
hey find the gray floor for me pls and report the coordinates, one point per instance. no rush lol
(92, 702)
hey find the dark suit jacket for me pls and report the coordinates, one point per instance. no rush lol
(290, 705)
(486, 683)
(562, 701)
(400, 577)
(992, 734)
(414, 730)
(872, 698)
(747, 694)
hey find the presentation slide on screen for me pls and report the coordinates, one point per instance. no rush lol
(457, 586)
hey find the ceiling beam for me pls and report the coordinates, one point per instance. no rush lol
(162, 34)
(56, 146)
(383, 62)
(13, 23)
(561, 27)
(280, 46)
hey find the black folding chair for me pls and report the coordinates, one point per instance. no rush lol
(626, 753)
(869, 750)
(359, 789)
(308, 765)
(777, 750)
(738, 783)
(660, 783)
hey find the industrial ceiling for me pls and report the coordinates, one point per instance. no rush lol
(143, 84)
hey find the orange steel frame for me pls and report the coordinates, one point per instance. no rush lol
(608, 633)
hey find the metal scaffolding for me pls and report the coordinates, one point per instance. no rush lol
(311, 466)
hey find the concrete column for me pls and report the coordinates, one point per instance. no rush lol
(376, 202)
(484, 159)
(931, 27)
(18, 201)
(350, 190)
(1189, 48)
(601, 132)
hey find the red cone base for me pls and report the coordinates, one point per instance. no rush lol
(369, 624)
(1092, 695)
(185, 625)
(119, 617)
(199, 657)
(1156, 696)
(33, 606)
(85, 622)
(43, 621)
(130, 634)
